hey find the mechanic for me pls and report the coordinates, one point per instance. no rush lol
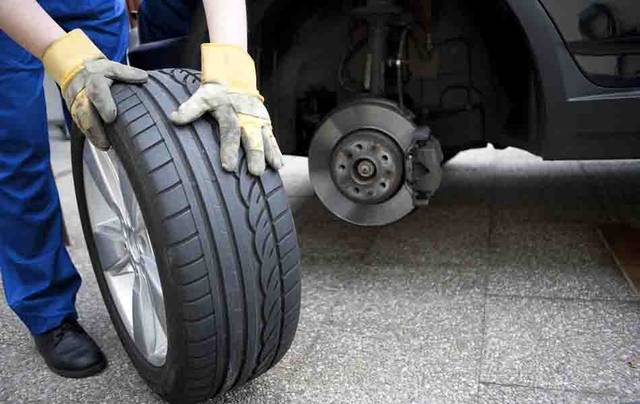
(82, 45)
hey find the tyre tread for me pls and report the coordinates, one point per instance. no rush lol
(225, 346)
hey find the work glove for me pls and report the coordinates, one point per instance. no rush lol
(85, 76)
(229, 92)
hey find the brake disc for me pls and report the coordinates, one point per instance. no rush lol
(357, 162)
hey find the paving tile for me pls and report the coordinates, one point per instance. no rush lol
(499, 394)
(545, 191)
(505, 394)
(66, 190)
(381, 347)
(467, 185)
(60, 157)
(295, 176)
(619, 180)
(563, 344)
(579, 397)
(333, 241)
(427, 237)
(10, 327)
(628, 213)
(464, 186)
(395, 315)
(418, 280)
(25, 377)
(554, 260)
(296, 203)
(313, 212)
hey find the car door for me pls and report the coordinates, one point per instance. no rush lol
(603, 37)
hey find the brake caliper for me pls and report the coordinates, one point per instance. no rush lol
(424, 166)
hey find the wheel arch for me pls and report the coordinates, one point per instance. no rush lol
(567, 126)
(516, 37)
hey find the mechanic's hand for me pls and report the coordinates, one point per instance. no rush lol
(229, 92)
(85, 76)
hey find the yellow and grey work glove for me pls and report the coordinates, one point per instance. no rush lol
(230, 93)
(85, 76)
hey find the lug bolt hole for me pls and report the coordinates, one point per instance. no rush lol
(385, 158)
(357, 190)
(383, 185)
(359, 146)
(343, 167)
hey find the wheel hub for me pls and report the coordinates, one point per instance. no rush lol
(367, 166)
(132, 245)
(356, 162)
(366, 169)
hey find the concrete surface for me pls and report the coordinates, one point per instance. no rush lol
(499, 292)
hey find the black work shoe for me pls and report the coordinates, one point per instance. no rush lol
(70, 352)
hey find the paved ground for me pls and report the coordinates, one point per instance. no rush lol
(501, 291)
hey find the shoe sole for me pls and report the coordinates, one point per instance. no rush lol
(80, 374)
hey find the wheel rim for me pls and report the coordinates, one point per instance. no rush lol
(125, 253)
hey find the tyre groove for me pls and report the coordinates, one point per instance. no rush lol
(195, 320)
(273, 191)
(253, 203)
(229, 226)
(178, 213)
(161, 166)
(279, 267)
(151, 145)
(183, 241)
(286, 235)
(269, 349)
(280, 215)
(130, 123)
(286, 254)
(189, 263)
(170, 188)
(189, 171)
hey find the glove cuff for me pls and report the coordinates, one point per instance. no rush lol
(230, 66)
(65, 57)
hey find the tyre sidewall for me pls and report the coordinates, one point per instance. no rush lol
(162, 379)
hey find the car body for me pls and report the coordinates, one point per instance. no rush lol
(561, 95)
(558, 78)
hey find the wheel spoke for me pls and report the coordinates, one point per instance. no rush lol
(104, 175)
(144, 242)
(125, 252)
(111, 246)
(150, 271)
(144, 322)
(130, 204)
(120, 267)
(137, 222)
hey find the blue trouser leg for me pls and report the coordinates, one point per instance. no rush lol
(40, 281)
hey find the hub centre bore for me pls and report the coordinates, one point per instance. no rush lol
(366, 169)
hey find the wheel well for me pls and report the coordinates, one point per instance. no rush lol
(497, 100)
(514, 67)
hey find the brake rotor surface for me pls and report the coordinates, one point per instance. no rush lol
(356, 163)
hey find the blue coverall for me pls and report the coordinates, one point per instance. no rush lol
(40, 281)
(165, 19)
